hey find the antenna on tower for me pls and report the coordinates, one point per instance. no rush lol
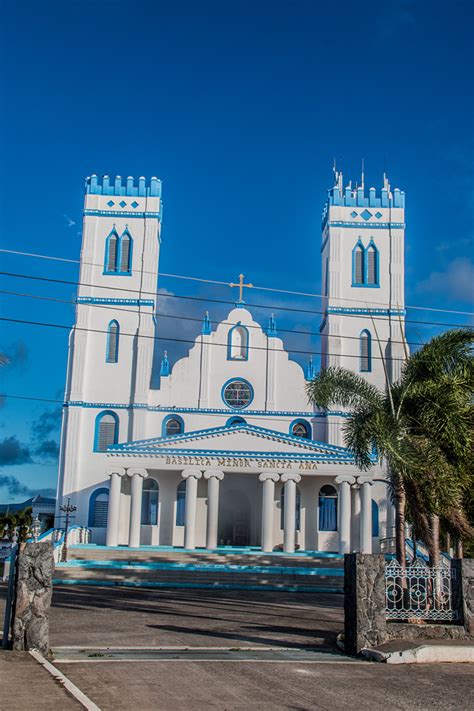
(362, 175)
(337, 175)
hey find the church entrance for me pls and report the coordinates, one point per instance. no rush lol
(234, 519)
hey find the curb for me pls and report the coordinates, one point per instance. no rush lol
(424, 654)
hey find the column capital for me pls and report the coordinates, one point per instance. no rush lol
(365, 479)
(139, 472)
(196, 473)
(116, 470)
(291, 476)
(264, 476)
(343, 479)
(213, 473)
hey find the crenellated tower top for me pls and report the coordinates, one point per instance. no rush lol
(118, 186)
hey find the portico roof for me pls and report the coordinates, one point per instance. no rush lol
(236, 441)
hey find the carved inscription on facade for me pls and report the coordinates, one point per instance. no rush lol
(230, 462)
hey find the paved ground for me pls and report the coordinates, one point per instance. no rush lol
(182, 686)
(120, 616)
(132, 618)
(25, 685)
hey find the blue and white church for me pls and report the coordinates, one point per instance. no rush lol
(226, 451)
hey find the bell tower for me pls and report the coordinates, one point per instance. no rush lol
(111, 343)
(362, 252)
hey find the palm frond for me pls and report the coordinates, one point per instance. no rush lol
(338, 386)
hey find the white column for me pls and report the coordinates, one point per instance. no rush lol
(192, 476)
(268, 506)
(390, 517)
(365, 514)
(344, 483)
(289, 522)
(137, 476)
(113, 515)
(214, 477)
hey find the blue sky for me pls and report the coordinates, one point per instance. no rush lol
(240, 110)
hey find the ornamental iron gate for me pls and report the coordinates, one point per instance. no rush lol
(418, 592)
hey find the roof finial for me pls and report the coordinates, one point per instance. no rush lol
(165, 366)
(206, 325)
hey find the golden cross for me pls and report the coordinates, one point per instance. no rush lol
(241, 287)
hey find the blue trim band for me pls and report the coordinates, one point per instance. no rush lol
(125, 213)
(369, 225)
(114, 302)
(202, 411)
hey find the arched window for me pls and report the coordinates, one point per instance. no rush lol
(111, 252)
(181, 503)
(172, 425)
(375, 519)
(113, 332)
(300, 428)
(365, 342)
(235, 421)
(327, 508)
(125, 252)
(358, 264)
(98, 508)
(298, 508)
(106, 430)
(238, 343)
(150, 498)
(372, 265)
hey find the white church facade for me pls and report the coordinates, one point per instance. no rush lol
(227, 451)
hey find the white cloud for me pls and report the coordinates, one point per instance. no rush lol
(456, 281)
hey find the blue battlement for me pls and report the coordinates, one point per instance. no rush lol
(105, 185)
(349, 197)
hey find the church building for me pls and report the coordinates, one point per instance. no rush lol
(226, 451)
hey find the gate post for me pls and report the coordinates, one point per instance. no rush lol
(365, 623)
(33, 597)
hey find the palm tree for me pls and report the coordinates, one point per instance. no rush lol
(419, 427)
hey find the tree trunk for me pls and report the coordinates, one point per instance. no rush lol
(399, 501)
(459, 549)
(434, 541)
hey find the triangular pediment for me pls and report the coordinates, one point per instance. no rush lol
(242, 440)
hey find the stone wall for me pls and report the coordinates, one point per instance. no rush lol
(33, 597)
(365, 623)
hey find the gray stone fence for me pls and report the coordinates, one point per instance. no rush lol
(365, 617)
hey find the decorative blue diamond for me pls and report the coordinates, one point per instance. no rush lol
(353, 213)
(122, 203)
(366, 215)
(378, 215)
(111, 203)
(134, 203)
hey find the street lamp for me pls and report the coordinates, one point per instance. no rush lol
(36, 528)
(68, 510)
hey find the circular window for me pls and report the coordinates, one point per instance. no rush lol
(237, 394)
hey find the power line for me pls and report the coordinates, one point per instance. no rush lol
(268, 307)
(224, 283)
(183, 340)
(191, 318)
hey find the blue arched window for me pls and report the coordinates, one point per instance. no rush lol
(327, 508)
(365, 345)
(358, 265)
(150, 498)
(98, 508)
(300, 428)
(372, 265)
(181, 503)
(238, 343)
(111, 253)
(113, 333)
(375, 519)
(298, 508)
(235, 421)
(172, 425)
(118, 253)
(126, 253)
(106, 430)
